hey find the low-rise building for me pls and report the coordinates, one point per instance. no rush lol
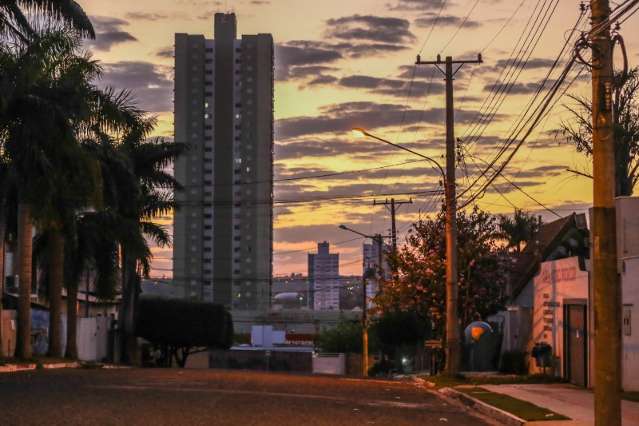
(551, 304)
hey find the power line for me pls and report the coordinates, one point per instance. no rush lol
(463, 22)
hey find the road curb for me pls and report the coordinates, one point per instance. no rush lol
(502, 416)
(15, 368)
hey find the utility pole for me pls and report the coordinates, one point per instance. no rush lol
(453, 332)
(607, 291)
(378, 240)
(394, 206)
(364, 327)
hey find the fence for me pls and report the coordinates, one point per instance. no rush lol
(92, 334)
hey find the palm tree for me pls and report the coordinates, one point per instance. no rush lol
(4, 187)
(519, 229)
(578, 130)
(149, 159)
(15, 17)
(48, 91)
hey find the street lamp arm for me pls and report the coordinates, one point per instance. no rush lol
(346, 228)
(370, 135)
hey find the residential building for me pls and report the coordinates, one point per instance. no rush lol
(323, 274)
(223, 232)
(552, 300)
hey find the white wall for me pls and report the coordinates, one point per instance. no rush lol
(630, 356)
(329, 364)
(557, 281)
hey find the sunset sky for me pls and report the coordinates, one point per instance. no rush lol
(341, 64)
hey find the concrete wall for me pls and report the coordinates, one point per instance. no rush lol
(630, 328)
(262, 360)
(556, 282)
(329, 364)
(8, 332)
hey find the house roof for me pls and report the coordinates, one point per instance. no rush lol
(546, 241)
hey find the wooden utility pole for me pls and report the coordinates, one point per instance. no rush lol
(453, 331)
(394, 206)
(607, 291)
(364, 327)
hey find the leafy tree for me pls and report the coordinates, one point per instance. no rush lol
(183, 327)
(420, 284)
(345, 337)
(399, 328)
(578, 131)
(519, 229)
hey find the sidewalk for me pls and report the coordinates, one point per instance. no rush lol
(571, 401)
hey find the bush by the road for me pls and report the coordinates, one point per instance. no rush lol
(181, 325)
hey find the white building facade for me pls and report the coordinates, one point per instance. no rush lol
(323, 274)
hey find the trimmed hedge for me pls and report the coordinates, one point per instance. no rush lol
(184, 323)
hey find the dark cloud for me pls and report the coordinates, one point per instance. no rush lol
(391, 87)
(516, 88)
(541, 172)
(417, 5)
(377, 29)
(310, 71)
(153, 16)
(534, 63)
(445, 21)
(338, 118)
(109, 33)
(322, 79)
(506, 188)
(165, 52)
(301, 53)
(149, 83)
(355, 188)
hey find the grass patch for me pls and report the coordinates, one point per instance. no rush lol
(630, 396)
(522, 409)
(443, 381)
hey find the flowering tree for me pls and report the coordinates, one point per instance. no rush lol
(419, 284)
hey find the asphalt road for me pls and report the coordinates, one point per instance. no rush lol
(215, 397)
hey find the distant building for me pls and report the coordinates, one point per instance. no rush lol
(323, 274)
(291, 292)
(223, 232)
(161, 287)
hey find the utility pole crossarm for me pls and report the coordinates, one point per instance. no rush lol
(394, 206)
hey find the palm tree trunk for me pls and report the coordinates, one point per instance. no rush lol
(56, 258)
(127, 313)
(23, 347)
(72, 321)
(3, 227)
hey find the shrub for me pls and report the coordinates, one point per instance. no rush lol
(513, 362)
(184, 323)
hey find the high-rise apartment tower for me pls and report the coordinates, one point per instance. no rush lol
(323, 274)
(223, 231)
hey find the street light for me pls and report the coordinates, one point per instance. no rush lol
(360, 132)
(452, 326)
(377, 238)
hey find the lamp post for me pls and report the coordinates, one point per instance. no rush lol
(452, 323)
(378, 240)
